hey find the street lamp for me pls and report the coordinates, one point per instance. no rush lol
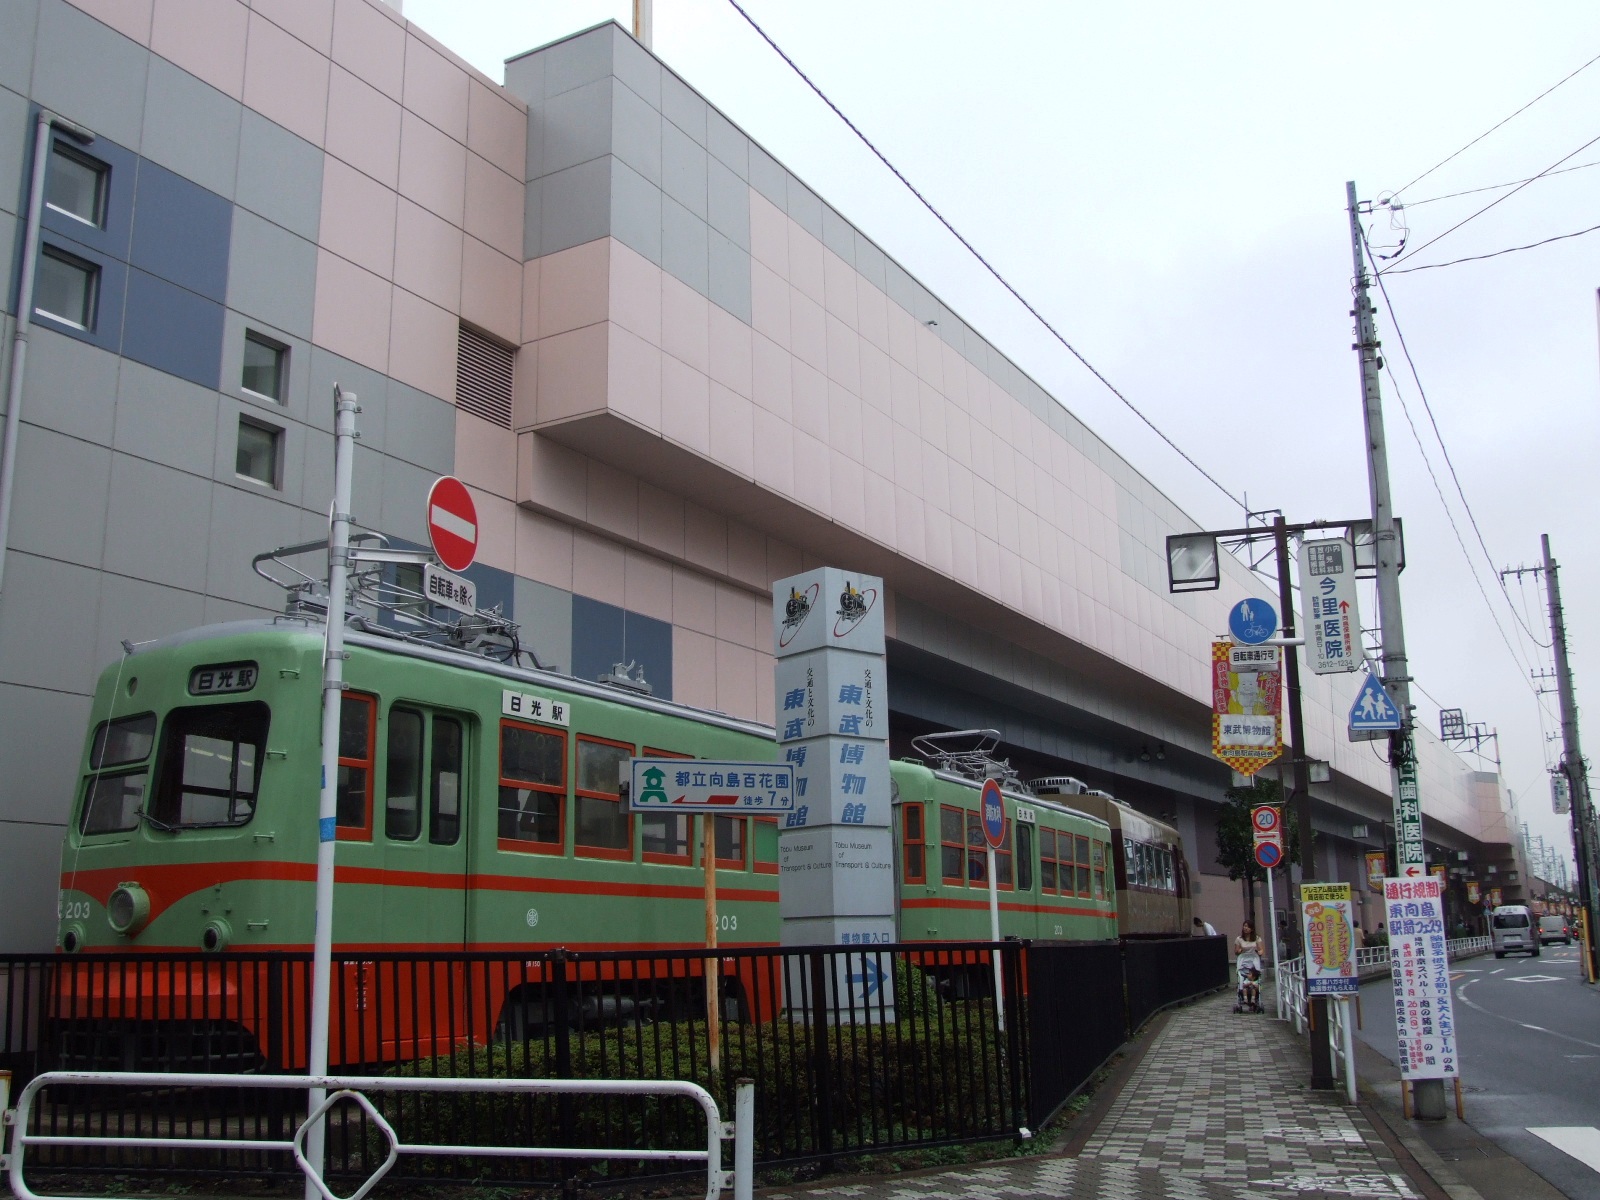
(1192, 562)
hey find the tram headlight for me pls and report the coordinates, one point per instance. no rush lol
(72, 938)
(215, 937)
(128, 909)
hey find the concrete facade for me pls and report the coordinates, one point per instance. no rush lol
(717, 381)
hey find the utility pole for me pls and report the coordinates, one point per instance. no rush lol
(1396, 674)
(1321, 1046)
(1572, 763)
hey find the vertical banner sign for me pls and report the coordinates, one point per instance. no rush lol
(835, 847)
(1329, 939)
(1377, 868)
(1408, 819)
(1424, 1017)
(1472, 892)
(1331, 623)
(1246, 705)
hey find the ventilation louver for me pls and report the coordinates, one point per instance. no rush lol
(483, 377)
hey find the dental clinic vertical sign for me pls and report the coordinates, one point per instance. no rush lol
(835, 858)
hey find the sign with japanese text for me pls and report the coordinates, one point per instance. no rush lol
(1329, 939)
(1473, 895)
(452, 591)
(1246, 706)
(1408, 820)
(1332, 624)
(698, 783)
(1424, 1015)
(831, 692)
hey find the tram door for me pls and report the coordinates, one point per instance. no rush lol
(425, 825)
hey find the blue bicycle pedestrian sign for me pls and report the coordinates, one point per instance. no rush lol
(1373, 713)
(1252, 622)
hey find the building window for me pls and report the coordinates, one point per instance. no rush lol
(76, 186)
(259, 453)
(265, 367)
(64, 289)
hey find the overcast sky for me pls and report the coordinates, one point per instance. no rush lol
(1166, 183)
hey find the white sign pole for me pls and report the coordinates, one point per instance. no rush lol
(1348, 1026)
(1272, 923)
(994, 936)
(344, 433)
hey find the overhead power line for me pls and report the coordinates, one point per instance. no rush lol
(1498, 124)
(1407, 257)
(1456, 262)
(973, 250)
(1450, 463)
(1495, 187)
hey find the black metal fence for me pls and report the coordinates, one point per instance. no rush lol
(853, 1050)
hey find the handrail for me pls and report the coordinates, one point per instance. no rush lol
(353, 1087)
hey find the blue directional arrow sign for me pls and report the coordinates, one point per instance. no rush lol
(1252, 621)
(1373, 714)
(871, 978)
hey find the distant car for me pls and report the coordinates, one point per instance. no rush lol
(1554, 928)
(1511, 930)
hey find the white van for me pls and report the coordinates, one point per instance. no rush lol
(1513, 929)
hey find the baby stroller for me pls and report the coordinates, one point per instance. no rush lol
(1248, 997)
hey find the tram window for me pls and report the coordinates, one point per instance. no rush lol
(913, 837)
(402, 791)
(357, 720)
(1166, 871)
(664, 837)
(1025, 858)
(123, 741)
(1047, 860)
(111, 800)
(532, 785)
(952, 843)
(764, 844)
(1002, 860)
(602, 823)
(729, 838)
(977, 861)
(1083, 865)
(1097, 852)
(444, 791)
(208, 768)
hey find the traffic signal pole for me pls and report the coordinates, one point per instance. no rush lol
(1396, 674)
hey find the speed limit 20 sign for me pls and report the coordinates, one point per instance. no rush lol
(1267, 825)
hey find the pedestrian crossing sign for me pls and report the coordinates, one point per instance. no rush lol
(1373, 714)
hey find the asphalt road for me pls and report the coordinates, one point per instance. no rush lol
(1529, 1039)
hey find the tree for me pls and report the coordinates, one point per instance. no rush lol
(1236, 837)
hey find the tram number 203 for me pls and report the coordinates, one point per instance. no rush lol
(728, 923)
(72, 910)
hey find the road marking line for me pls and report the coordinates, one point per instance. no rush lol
(1582, 1142)
(1461, 995)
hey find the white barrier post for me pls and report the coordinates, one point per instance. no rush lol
(1349, 1032)
(744, 1139)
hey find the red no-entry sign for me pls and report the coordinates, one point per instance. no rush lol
(452, 523)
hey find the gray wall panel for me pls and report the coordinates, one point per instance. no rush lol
(684, 107)
(728, 204)
(730, 276)
(638, 69)
(166, 420)
(578, 60)
(728, 144)
(136, 610)
(19, 20)
(8, 241)
(272, 274)
(545, 614)
(636, 212)
(636, 133)
(156, 524)
(37, 732)
(16, 147)
(60, 501)
(371, 389)
(297, 384)
(33, 873)
(684, 250)
(243, 525)
(421, 429)
(576, 205)
(403, 512)
(53, 647)
(683, 169)
(90, 73)
(280, 176)
(191, 128)
(70, 387)
(577, 126)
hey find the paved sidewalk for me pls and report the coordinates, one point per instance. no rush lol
(1218, 1108)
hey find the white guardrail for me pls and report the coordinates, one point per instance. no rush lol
(741, 1131)
(1371, 961)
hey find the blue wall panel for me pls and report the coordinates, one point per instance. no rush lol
(604, 635)
(173, 330)
(181, 231)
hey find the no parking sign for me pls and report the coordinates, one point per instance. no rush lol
(1267, 825)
